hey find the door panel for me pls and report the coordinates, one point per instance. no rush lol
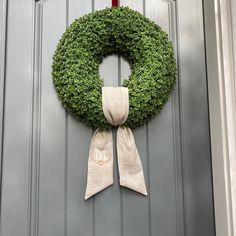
(16, 121)
(45, 149)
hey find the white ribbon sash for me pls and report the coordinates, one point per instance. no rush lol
(115, 102)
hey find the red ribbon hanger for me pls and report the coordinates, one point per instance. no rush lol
(114, 3)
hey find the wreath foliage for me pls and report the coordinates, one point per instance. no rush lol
(120, 31)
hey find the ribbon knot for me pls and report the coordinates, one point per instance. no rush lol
(115, 103)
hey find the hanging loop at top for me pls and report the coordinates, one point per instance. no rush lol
(114, 3)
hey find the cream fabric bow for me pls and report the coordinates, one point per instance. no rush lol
(115, 102)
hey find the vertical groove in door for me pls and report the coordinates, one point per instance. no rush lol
(35, 122)
(179, 143)
(176, 127)
(66, 173)
(3, 47)
(148, 181)
(148, 161)
(37, 116)
(29, 214)
(207, 91)
(121, 192)
(94, 199)
(66, 147)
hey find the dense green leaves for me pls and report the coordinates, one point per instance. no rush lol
(119, 31)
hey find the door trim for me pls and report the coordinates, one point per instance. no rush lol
(222, 109)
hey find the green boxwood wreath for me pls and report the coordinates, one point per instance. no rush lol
(120, 31)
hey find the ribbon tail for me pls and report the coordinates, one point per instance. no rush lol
(130, 165)
(100, 163)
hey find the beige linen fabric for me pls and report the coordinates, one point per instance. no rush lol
(129, 163)
(115, 102)
(100, 163)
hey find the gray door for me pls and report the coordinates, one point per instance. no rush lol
(44, 150)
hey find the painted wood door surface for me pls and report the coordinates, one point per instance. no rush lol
(45, 150)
